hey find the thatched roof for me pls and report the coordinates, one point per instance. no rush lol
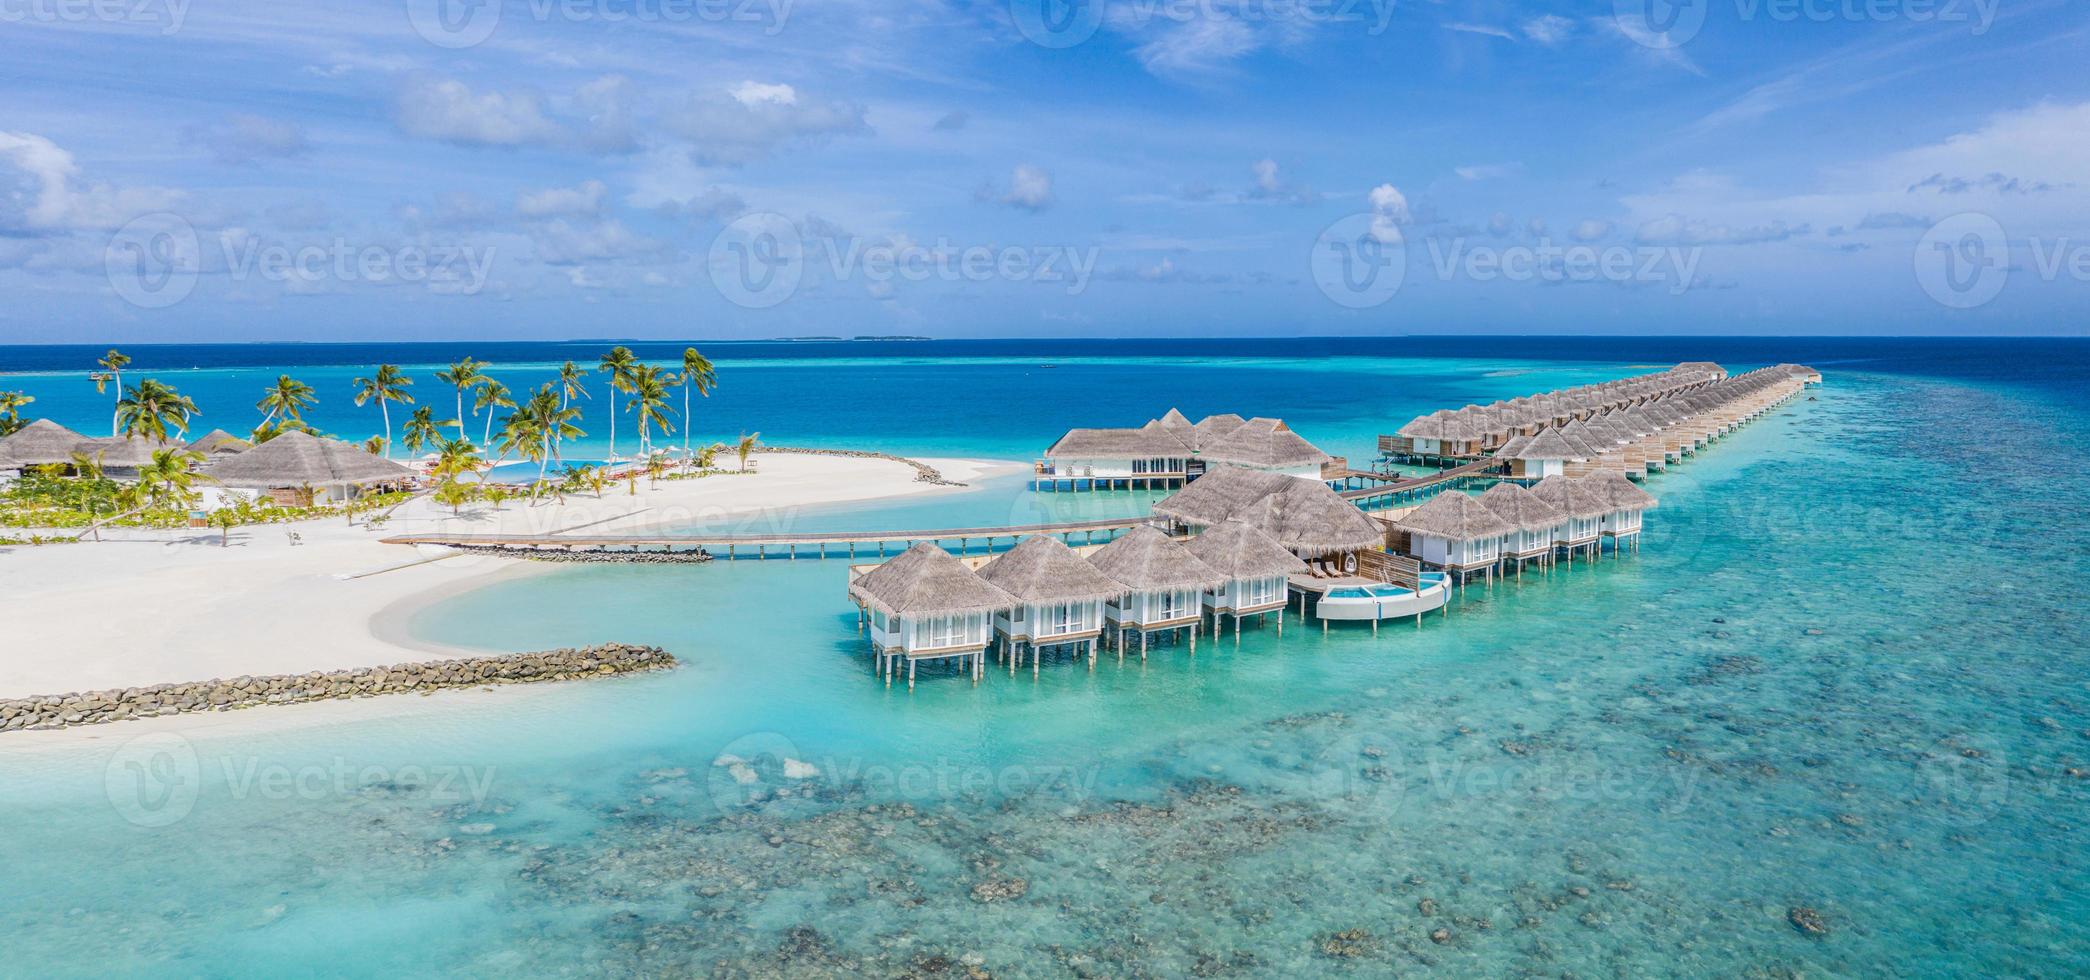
(1456, 516)
(1312, 520)
(1573, 497)
(1211, 428)
(926, 581)
(1219, 494)
(1146, 560)
(297, 459)
(124, 452)
(1262, 442)
(1238, 550)
(218, 441)
(1042, 569)
(1547, 444)
(1521, 508)
(1620, 490)
(1178, 425)
(39, 443)
(1150, 441)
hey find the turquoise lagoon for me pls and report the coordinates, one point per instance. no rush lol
(1846, 672)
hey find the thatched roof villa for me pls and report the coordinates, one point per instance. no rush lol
(1163, 581)
(40, 443)
(1256, 567)
(1059, 597)
(294, 461)
(1536, 522)
(926, 605)
(1171, 451)
(1456, 532)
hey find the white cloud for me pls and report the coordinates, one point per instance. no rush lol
(1549, 28)
(753, 120)
(584, 200)
(1486, 171)
(43, 194)
(1591, 229)
(1485, 29)
(1197, 46)
(1389, 212)
(1030, 188)
(448, 110)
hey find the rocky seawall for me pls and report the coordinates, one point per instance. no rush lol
(923, 472)
(98, 707)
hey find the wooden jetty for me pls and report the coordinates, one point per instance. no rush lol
(808, 545)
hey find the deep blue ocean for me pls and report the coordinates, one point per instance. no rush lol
(1846, 672)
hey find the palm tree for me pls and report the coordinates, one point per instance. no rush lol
(423, 429)
(570, 387)
(492, 395)
(168, 480)
(11, 403)
(224, 519)
(464, 374)
(456, 456)
(377, 446)
(287, 396)
(150, 409)
(697, 373)
(649, 399)
(454, 495)
(596, 479)
(746, 447)
(112, 362)
(548, 421)
(656, 464)
(618, 364)
(387, 386)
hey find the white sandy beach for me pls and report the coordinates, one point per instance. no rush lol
(147, 607)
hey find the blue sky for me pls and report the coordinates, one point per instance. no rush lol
(199, 170)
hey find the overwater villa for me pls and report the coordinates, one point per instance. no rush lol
(300, 470)
(926, 605)
(1256, 567)
(1164, 586)
(1537, 524)
(1447, 436)
(1621, 523)
(1059, 599)
(1536, 457)
(1585, 505)
(1171, 451)
(1457, 533)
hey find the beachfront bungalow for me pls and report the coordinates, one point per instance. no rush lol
(1264, 444)
(1102, 459)
(1456, 532)
(926, 605)
(1256, 567)
(1059, 599)
(1626, 502)
(300, 470)
(40, 443)
(1537, 523)
(1585, 506)
(121, 457)
(1164, 586)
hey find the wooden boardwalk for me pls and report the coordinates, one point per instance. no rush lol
(1407, 490)
(809, 544)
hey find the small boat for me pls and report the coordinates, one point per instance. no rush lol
(1369, 602)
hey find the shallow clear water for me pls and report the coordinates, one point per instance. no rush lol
(1844, 672)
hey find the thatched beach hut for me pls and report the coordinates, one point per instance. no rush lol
(1455, 532)
(1584, 505)
(926, 605)
(1537, 523)
(1164, 585)
(40, 443)
(292, 462)
(1256, 567)
(1059, 598)
(218, 442)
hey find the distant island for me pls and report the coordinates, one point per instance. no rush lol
(801, 340)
